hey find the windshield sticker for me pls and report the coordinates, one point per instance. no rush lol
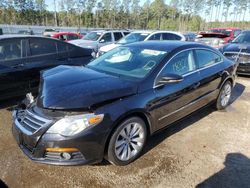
(152, 52)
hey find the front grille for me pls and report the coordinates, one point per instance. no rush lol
(243, 58)
(31, 122)
(57, 156)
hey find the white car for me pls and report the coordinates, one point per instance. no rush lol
(137, 36)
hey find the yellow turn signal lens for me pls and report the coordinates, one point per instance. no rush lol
(96, 119)
(62, 149)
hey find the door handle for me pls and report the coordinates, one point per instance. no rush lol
(196, 85)
(18, 65)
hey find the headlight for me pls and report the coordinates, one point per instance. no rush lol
(71, 125)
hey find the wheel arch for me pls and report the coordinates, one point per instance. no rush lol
(138, 113)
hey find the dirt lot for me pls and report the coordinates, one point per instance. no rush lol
(207, 149)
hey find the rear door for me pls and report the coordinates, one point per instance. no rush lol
(175, 100)
(13, 80)
(170, 36)
(211, 71)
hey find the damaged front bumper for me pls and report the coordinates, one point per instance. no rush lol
(29, 130)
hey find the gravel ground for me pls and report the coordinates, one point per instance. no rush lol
(207, 149)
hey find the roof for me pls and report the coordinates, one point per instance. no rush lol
(167, 45)
(23, 36)
(227, 28)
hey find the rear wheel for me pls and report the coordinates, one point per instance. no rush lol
(224, 96)
(127, 141)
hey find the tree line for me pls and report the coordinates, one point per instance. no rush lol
(182, 15)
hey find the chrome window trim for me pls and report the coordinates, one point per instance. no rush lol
(184, 107)
(191, 72)
(242, 53)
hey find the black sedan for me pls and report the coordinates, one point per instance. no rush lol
(239, 51)
(110, 107)
(23, 57)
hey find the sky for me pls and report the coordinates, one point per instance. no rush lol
(202, 14)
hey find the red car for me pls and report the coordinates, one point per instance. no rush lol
(231, 33)
(67, 36)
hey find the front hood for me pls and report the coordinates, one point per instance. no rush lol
(109, 47)
(84, 43)
(236, 47)
(66, 87)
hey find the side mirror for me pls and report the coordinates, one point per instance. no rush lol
(170, 78)
(102, 41)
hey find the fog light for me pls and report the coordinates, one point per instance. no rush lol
(66, 156)
(62, 149)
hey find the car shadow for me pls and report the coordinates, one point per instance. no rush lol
(2, 184)
(10, 103)
(236, 173)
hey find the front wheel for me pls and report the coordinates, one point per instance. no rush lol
(127, 141)
(224, 96)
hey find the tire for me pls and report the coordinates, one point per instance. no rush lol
(223, 99)
(127, 141)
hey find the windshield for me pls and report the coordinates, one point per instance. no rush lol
(133, 37)
(243, 38)
(223, 31)
(94, 36)
(132, 62)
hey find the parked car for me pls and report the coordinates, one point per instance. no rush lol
(50, 32)
(110, 107)
(215, 40)
(1, 31)
(67, 36)
(239, 51)
(231, 32)
(22, 57)
(137, 36)
(96, 39)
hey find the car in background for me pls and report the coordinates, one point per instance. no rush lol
(50, 32)
(190, 36)
(97, 39)
(23, 57)
(231, 33)
(110, 107)
(1, 31)
(239, 51)
(25, 32)
(215, 40)
(144, 35)
(67, 36)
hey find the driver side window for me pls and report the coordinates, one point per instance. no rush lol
(181, 64)
(107, 37)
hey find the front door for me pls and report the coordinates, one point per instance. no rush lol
(175, 100)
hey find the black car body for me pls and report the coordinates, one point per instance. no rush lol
(23, 57)
(186, 77)
(239, 51)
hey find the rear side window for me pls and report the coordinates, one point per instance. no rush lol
(10, 49)
(181, 64)
(170, 36)
(72, 37)
(126, 33)
(206, 58)
(107, 37)
(42, 46)
(155, 37)
(117, 35)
